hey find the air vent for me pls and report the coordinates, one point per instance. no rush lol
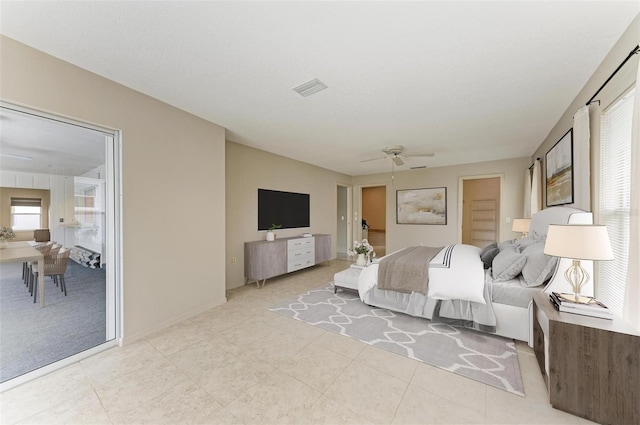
(310, 87)
(418, 167)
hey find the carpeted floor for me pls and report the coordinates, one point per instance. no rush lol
(32, 337)
(487, 358)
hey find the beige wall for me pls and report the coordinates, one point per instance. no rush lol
(374, 200)
(172, 184)
(623, 80)
(401, 235)
(6, 193)
(248, 169)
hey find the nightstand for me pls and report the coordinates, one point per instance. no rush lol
(591, 366)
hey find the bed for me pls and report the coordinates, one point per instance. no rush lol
(497, 299)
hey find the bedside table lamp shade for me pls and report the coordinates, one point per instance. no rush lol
(578, 242)
(521, 225)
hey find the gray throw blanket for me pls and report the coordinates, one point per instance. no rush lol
(407, 270)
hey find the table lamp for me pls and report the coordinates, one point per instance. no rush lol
(521, 225)
(578, 242)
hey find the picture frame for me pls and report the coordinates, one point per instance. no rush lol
(559, 181)
(422, 206)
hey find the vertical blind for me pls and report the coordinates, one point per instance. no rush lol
(615, 194)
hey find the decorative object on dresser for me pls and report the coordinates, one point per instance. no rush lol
(591, 366)
(271, 236)
(578, 242)
(264, 259)
(521, 225)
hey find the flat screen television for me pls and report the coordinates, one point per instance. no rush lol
(288, 209)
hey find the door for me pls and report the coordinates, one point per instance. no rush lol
(342, 228)
(481, 211)
(374, 217)
(78, 165)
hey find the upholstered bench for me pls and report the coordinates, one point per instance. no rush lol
(346, 279)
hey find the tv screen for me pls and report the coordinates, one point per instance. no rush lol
(288, 209)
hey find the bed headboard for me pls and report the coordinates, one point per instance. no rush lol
(562, 215)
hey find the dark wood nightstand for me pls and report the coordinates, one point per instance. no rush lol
(591, 366)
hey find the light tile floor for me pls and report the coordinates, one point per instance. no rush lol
(242, 364)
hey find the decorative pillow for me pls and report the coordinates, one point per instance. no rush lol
(506, 244)
(507, 264)
(539, 266)
(488, 254)
(525, 242)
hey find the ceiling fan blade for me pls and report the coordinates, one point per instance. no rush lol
(398, 161)
(417, 155)
(373, 159)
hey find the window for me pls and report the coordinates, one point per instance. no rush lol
(26, 213)
(615, 202)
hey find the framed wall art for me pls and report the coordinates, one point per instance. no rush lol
(422, 206)
(559, 172)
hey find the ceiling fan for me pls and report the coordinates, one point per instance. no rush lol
(396, 154)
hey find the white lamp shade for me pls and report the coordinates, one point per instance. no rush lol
(579, 242)
(521, 225)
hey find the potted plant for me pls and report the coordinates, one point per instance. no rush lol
(270, 235)
(363, 250)
(6, 235)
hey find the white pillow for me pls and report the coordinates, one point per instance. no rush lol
(507, 264)
(539, 266)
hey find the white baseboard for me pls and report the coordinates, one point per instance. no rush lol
(128, 339)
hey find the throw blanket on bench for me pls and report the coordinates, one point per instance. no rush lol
(407, 270)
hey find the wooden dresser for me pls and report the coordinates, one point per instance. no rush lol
(266, 259)
(591, 366)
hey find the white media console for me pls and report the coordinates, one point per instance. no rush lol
(267, 259)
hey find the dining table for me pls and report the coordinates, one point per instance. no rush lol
(23, 251)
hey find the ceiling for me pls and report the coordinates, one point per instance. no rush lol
(468, 81)
(33, 144)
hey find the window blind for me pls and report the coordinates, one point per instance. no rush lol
(615, 206)
(26, 202)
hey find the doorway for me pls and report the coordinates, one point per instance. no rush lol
(343, 222)
(481, 199)
(374, 217)
(76, 165)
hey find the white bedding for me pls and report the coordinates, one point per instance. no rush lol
(455, 273)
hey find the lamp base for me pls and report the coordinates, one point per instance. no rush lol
(577, 277)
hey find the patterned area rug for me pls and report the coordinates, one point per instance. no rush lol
(490, 359)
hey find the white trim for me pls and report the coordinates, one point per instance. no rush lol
(45, 370)
(114, 239)
(461, 181)
(160, 326)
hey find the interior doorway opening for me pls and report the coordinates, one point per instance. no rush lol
(374, 217)
(481, 210)
(344, 226)
(77, 313)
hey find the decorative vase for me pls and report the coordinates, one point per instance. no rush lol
(270, 236)
(4, 244)
(362, 260)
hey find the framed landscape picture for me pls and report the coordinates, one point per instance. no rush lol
(559, 172)
(422, 206)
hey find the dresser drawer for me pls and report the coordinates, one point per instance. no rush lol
(300, 243)
(300, 258)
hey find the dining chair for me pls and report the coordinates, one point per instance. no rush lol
(45, 249)
(55, 268)
(33, 266)
(42, 235)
